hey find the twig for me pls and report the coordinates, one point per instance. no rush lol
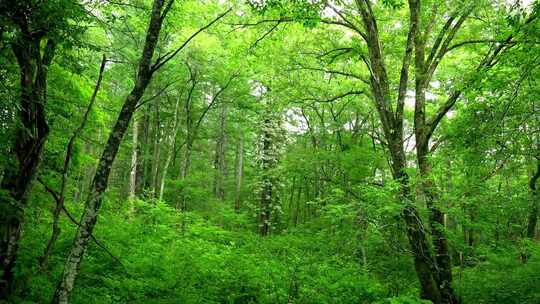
(74, 221)
(98, 243)
(165, 58)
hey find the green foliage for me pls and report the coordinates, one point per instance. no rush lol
(297, 82)
(305, 12)
(171, 257)
(503, 278)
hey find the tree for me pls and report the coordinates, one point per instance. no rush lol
(433, 268)
(37, 31)
(382, 151)
(269, 150)
(146, 69)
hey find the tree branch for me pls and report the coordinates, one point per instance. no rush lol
(339, 96)
(346, 22)
(53, 193)
(404, 75)
(267, 33)
(159, 93)
(164, 59)
(466, 42)
(432, 66)
(346, 74)
(488, 62)
(74, 221)
(440, 38)
(98, 243)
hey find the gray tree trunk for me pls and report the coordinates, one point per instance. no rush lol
(61, 195)
(156, 162)
(171, 140)
(134, 161)
(239, 172)
(219, 160)
(533, 211)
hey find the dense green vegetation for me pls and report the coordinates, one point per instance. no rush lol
(270, 151)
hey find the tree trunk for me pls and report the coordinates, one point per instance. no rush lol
(437, 226)
(186, 162)
(157, 149)
(423, 131)
(239, 172)
(171, 144)
(296, 211)
(219, 160)
(424, 261)
(392, 125)
(470, 230)
(268, 159)
(61, 196)
(533, 212)
(27, 150)
(134, 161)
(291, 199)
(99, 183)
(266, 183)
(145, 164)
(436, 216)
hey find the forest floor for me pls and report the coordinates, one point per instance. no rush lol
(171, 257)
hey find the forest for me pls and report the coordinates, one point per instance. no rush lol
(270, 151)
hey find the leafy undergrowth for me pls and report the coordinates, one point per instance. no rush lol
(170, 257)
(504, 278)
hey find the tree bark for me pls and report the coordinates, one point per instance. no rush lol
(145, 166)
(157, 149)
(266, 189)
(61, 196)
(392, 124)
(535, 196)
(219, 160)
(239, 173)
(27, 150)
(171, 141)
(134, 160)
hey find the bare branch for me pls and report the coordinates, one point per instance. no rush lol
(163, 60)
(346, 74)
(467, 42)
(338, 52)
(159, 93)
(263, 21)
(166, 9)
(73, 220)
(337, 97)
(98, 243)
(267, 33)
(346, 22)
(488, 62)
(214, 99)
(205, 111)
(51, 191)
(441, 112)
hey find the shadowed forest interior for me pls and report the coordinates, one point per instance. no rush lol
(270, 151)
